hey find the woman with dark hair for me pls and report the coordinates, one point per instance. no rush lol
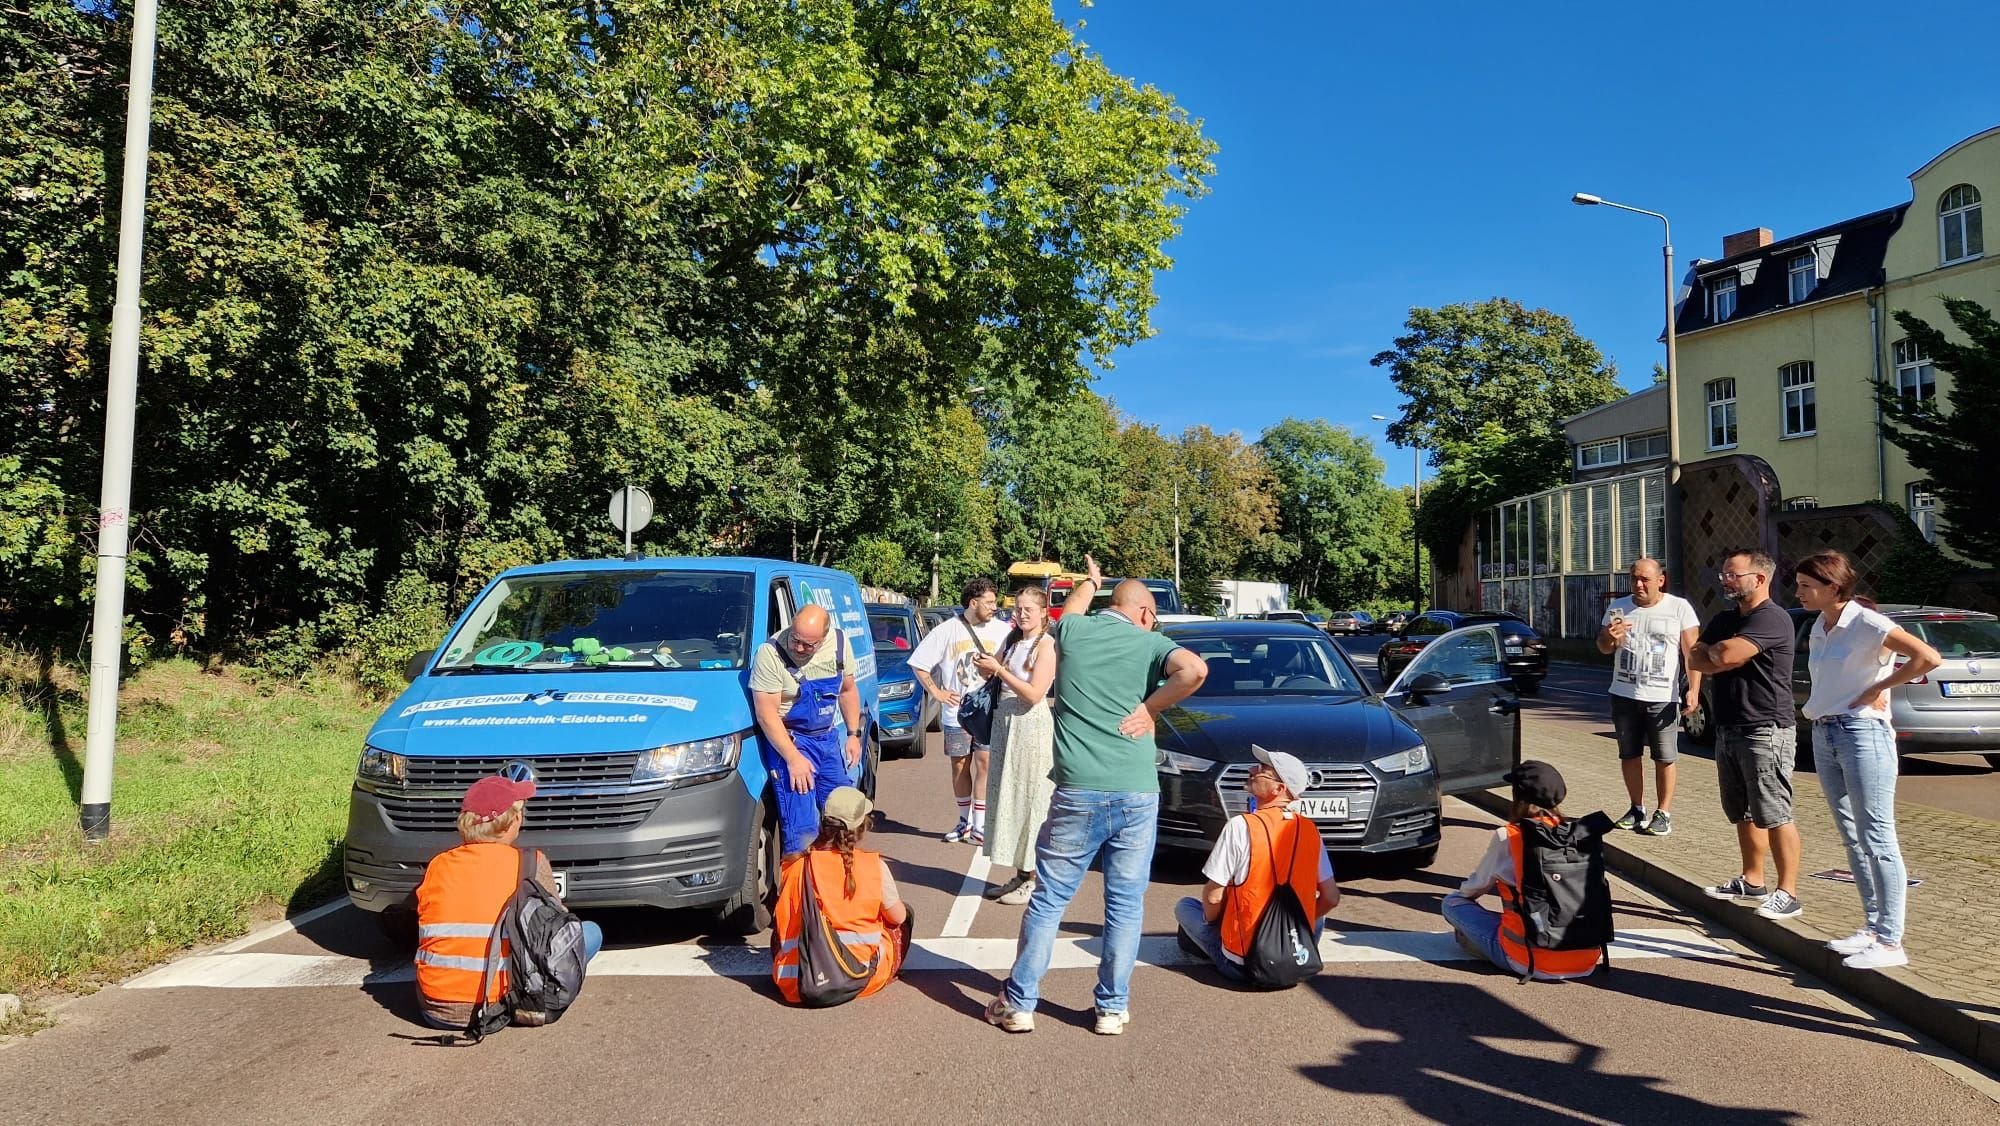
(1019, 784)
(857, 897)
(1853, 651)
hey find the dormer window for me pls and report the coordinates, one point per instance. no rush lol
(1801, 275)
(1960, 237)
(1723, 295)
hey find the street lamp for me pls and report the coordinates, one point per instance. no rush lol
(1417, 499)
(1672, 500)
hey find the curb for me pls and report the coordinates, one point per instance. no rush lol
(1902, 993)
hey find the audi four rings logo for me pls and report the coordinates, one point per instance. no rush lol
(518, 771)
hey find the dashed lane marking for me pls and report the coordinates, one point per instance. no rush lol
(958, 923)
(254, 970)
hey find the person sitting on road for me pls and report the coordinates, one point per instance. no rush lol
(461, 898)
(857, 898)
(1501, 937)
(1249, 859)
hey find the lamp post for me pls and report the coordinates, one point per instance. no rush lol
(1672, 504)
(1417, 500)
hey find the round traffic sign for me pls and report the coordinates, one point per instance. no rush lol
(632, 504)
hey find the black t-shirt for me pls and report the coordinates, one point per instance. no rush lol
(1760, 691)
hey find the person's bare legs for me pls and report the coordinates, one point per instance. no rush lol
(1634, 770)
(1663, 781)
(1785, 856)
(1753, 843)
(961, 778)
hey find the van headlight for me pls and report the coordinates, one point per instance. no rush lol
(694, 761)
(1174, 762)
(378, 765)
(900, 690)
(1415, 760)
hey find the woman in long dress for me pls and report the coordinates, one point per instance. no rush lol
(1018, 786)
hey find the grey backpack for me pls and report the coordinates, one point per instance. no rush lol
(544, 948)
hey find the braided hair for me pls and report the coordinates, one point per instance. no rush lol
(837, 837)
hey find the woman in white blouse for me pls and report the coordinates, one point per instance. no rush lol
(1853, 668)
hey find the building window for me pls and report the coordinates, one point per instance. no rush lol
(1800, 504)
(1595, 455)
(1721, 414)
(1724, 291)
(1916, 376)
(1959, 233)
(1645, 447)
(1922, 503)
(1801, 275)
(1795, 384)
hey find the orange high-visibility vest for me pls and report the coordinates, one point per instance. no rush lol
(460, 899)
(1514, 933)
(857, 922)
(1243, 904)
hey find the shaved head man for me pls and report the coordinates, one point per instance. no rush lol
(802, 689)
(1651, 633)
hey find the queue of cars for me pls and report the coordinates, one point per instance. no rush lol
(1525, 654)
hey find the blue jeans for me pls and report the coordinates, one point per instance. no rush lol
(1208, 936)
(1855, 756)
(1086, 825)
(1480, 926)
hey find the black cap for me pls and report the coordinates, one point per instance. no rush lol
(1538, 783)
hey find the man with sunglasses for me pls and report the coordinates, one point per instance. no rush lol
(1747, 653)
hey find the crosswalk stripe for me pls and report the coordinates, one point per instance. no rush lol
(256, 970)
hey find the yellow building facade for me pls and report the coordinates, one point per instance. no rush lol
(1782, 342)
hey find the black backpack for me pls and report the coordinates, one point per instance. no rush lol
(1283, 950)
(1565, 901)
(828, 974)
(544, 956)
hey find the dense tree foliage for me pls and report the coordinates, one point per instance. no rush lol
(425, 283)
(1954, 438)
(1334, 543)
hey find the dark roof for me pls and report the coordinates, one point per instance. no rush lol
(1245, 627)
(1856, 266)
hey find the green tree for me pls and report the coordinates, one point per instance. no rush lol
(1331, 502)
(1486, 387)
(1955, 443)
(1140, 538)
(1228, 505)
(1057, 473)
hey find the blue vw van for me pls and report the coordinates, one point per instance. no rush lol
(622, 688)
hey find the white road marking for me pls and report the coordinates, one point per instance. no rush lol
(1573, 691)
(252, 970)
(958, 924)
(283, 927)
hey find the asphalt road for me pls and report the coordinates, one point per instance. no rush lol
(1576, 693)
(317, 1024)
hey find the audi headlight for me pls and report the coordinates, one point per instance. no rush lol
(690, 761)
(1416, 760)
(900, 690)
(378, 765)
(1174, 762)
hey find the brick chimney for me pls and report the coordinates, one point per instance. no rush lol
(1745, 241)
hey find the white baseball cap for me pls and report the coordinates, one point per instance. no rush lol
(1291, 771)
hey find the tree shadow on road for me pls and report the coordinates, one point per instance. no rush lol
(1443, 1065)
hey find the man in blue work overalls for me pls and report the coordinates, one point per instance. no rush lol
(809, 711)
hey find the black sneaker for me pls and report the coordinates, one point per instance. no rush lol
(1188, 943)
(1737, 888)
(1635, 818)
(1660, 825)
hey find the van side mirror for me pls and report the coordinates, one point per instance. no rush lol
(417, 663)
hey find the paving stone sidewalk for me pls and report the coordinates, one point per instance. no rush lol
(1953, 920)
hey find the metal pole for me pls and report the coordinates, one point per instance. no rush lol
(1671, 503)
(1416, 536)
(121, 403)
(625, 498)
(935, 558)
(1177, 535)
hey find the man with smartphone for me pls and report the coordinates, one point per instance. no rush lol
(1651, 633)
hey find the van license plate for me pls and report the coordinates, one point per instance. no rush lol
(1972, 687)
(1330, 809)
(562, 884)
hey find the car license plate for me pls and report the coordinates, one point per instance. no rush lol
(562, 883)
(1972, 687)
(1514, 650)
(1328, 809)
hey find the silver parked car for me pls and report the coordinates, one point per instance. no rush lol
(1955, 709)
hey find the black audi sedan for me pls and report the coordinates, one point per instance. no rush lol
(1380, 763)
(1526, 654)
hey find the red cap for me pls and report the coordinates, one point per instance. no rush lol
(492, 795)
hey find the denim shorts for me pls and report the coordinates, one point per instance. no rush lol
(1753, 768)
(1643, 725)
(958, 742)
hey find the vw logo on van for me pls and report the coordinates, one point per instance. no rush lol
(518, 771)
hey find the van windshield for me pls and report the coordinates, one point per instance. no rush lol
(597, 620)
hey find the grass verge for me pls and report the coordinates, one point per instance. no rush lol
(228, 798)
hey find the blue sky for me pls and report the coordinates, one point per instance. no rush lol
(1378, 157)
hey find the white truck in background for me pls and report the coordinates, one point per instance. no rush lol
(1250, 596)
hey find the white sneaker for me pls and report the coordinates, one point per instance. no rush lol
(1854, 943)
(1018, 895)
(1877, 957)
(1007, 1018)
(959, 832)
(1111, 1024)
